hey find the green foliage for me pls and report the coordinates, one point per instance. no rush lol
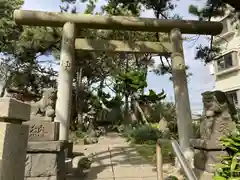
(206, 54)
(238, 114)
(21, 47)
(115, 8)
(143, 139)
(77, 136)
(230, 167)
(148, 151)
(133, 81)
(163, 9)
(167, 111)
(154, 125)
(152, 97)
(159, 7)
(94, 100)
(143, 134)
(90, 6)
(125, 72)
(114, 102)
(9, 32)
(212, 8)
(172, 178)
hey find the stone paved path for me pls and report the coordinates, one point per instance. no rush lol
(114, 159)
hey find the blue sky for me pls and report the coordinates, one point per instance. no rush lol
(199, 82)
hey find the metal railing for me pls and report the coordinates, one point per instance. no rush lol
(182, 160)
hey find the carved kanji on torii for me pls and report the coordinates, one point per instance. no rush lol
(72, 22)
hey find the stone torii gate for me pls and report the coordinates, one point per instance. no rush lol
(73, 22)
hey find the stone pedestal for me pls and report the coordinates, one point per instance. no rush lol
(203, 175)
(13, 138)
(219, 120)
(45, 153)
(45, 161)
(207, 155)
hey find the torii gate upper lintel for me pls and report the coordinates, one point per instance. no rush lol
(54, 19)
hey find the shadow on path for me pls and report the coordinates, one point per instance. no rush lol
(114, 159)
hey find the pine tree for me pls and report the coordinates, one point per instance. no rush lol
(212, 9)
(20, 49)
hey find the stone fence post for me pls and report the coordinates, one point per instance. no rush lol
(13, 138)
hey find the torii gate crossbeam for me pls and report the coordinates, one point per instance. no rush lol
(39, 18)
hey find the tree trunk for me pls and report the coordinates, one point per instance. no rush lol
(126, 106)
(141, 112)
(146, 109)
(6, 83)
(79, 103)
(126, 113)
(3, 89)
(133, 113)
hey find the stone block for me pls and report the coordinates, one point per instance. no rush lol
(203, 175)
(43, 130)
(42, 178)
(45, 158)
(206, 160)
(206, 144)
(13, 145)
(41, 164)
(45, 146)
(44, 164)
(12, 109)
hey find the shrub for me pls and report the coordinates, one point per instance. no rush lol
(230, 165)
(127, 132)
(155, 125)
(144, 134)
(171, 178)
(148, 151)
(77, 136)
(143, 138)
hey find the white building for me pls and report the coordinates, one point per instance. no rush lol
(226, 67)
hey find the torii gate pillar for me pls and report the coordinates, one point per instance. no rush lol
(183, 111)
(65, 80)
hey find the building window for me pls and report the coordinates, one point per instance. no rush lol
(232, 97)
(226, 61)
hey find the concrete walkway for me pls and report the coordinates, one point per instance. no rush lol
(114, 159)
